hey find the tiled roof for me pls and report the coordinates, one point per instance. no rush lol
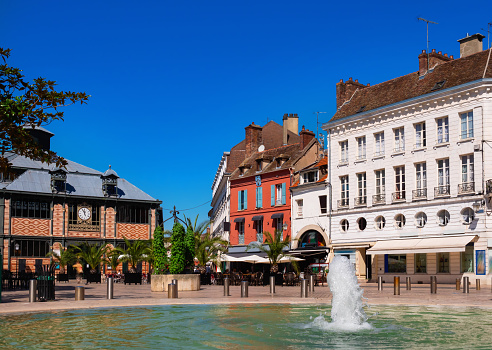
(456, 72)
(322, 163)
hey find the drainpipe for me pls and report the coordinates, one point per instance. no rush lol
(2, 217)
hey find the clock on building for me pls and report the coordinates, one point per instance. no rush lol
(84, 213)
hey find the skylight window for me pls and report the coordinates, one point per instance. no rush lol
(438, 85)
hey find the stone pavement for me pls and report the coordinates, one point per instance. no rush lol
(17, 301)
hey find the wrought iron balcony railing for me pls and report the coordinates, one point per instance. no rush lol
(398, 196)
(360, 201)
(466, 187)
(442, 191)
(343, 203)
(379, 199)
(419, 193)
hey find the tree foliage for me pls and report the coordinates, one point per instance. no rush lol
(134, 253)
(28, 104)
(190, 244)
(178, 249)
(208, 249)
(91, 254)
(274, 248)
(159, 252)
(66, 257)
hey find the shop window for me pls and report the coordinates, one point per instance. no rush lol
(467, 259)
(396, 263)
(420, 263)
(443, 262)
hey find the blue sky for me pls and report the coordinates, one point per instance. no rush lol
(174, 83)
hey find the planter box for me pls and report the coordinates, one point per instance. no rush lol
(62, 277)
(185, 282)
(94, 278)
(133, 278)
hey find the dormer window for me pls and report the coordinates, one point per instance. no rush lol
(110, 183)
(259, 165)
(310, 176)
(281, 159)
(58, 180)
(242, 168)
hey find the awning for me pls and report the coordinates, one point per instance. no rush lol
(277, 216)
(422, 245)
(258, 218)
(239, 220)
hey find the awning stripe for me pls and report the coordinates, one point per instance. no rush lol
(239, 220)
(422, 245)
(277, 216)
(257, 217)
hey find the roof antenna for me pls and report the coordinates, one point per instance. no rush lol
(427, 21)
(488, 34)
(317, 133)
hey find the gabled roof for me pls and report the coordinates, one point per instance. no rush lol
(454, 73)
(27, 163)
(322, 163)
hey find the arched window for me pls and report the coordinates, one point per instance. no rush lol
(420, 219)
(380, 222)
(361, 223)
(467, 216)
(312, 238)
(443, 217)
(399, 221)
(344, 225)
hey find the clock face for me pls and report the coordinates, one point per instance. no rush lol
(84, 214)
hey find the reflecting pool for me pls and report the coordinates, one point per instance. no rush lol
(246, 327)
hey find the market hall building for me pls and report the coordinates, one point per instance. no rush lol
(44, 208)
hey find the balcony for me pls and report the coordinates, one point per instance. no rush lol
(343, 203)
(419, 194)
(398, 197)
(360, 201)
(442, 191)
(241, 238)
(378, 199)
(466, 188)
(259, 237)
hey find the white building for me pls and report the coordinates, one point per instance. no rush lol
(409, 170)
(220, 212)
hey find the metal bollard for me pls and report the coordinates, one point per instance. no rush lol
(458, 284)
(311, 283)
(33, 287)
(396, 285)
(466, 285)
(304, 288)
(79, 293)
(272, 284)
(477, 284)
(175, 281)
(380, 283)
(433, 284)
(409, 283)
(244, 289)
(227, 282)
(172, 291)
(109, 292)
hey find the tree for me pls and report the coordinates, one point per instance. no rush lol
(274, 248)
(159, 251)
(66, 257)
(134, 253)
(91, 254)
(178, 249)
(23, 104)
(191, 245)
(114, 260)
(208, 249)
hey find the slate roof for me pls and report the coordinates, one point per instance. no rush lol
(322, 163)
(456, 72)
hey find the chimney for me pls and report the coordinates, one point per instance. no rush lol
(290, 123)
(346, 90)
(253, 139)
(471, 45)
(306, 137)
(435, 59)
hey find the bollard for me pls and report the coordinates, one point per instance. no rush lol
(33, 286)
(226, 286)
(175, 281)
(304, 288)
(409, 283)
(272, 284)
(311, 283)
(380, 283)
(109, 292)
(466, 285)
(458, 284)
(477, 284)
(433, 284)
(79, 293)
(172, 291)
(244, 289)
(396, 285)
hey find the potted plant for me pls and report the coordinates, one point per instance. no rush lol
(94, 256)
(66, 257)
(135, 252)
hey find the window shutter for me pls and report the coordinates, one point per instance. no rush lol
(259, 200)
(239, 199)
(245, 199)
(283, 193)
(273, 195)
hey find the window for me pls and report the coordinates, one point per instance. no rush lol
(361, 148)
(379, 144)
(399, 183)
(420, 139)
(242, 200)
(466, 259)
(278, 224)
(278, 194)
(420, 263)
(131, 214)
(259, 197)
(442, 130)
(380, 222)
(420, 219)
(311, 176)
(362, 223)
(259, 230)
(259, 164)
(361, 189)
(399, 221)
(396, 263)
(443, 177)
(322, 204)
(240, 230)
(344, 152)
(380, 181)
(421, 176)
(31, 209)
(467, 169)
(443, 262)
(29, 248)
(467, 216)
(399, 139)
(466, 125)
(443, 217)
(299, 203)
(344, 225)
(344, 190)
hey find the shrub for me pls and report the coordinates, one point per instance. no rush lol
(178, 249)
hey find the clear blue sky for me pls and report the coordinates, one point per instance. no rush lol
(174, 83)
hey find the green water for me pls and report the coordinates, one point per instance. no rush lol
(246, 327)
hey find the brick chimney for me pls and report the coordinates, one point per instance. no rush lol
(306, 137)
(346, 90)
(254, 138)
(435, 59)
(471, 44)
(290, 123)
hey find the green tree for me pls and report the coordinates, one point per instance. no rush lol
(135, 252)
(114, 260)
(159, 251)
(191, 245)
(178, 249)
(66, 257)
(274, 248)
(28, 104)
(208, 249)
(91, 254)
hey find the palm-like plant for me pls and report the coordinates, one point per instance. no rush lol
(114, 260)
(66, 257)
(91, 254)
(274, 248)
(134, 253)
(208, 249)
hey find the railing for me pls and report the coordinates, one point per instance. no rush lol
(241, 238)
(84, 227)
(259, 237)
(398, 196)
(419, 193)
(379, 199)
(343, 203)
(466, 187)
(360, 201)
(442, 191)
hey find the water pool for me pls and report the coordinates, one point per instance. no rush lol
(246, 327)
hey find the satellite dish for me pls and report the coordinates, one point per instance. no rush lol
(261, 148)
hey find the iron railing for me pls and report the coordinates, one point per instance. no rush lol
(419, 193)
(442, 191)
(379, 198)
(360, 201)
(466, 187)
(398, 196)
(343, 203)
